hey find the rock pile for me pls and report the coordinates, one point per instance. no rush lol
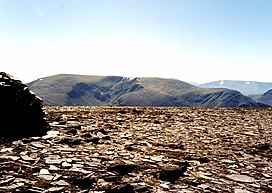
(21, 112)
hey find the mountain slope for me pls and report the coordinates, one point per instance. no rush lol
(65, 89)
(245, 87)
(266, 98)
(69, 89)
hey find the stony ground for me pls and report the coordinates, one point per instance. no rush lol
(131, 149)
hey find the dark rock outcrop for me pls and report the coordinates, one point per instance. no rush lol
(172, 175)
(21, 112)
(122, 169)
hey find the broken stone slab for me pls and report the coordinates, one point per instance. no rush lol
(227, 161)
(164, 186)
(267, 176)
(11, 187)
(66, 165)
(36, 189)
(148, 161)
(156, 158)
(50, 161)
(7, 181)
(68, 149)
(240, 178)
(54, 160)
(3, 150)
(44, 172)
(60, 183)
(46, 177)
(80, 170)
(53, 168)
(56, 189)
(51, 134)
(38, 145)
(28, 158)
(204, 176)
(241, 191)
(11, 157)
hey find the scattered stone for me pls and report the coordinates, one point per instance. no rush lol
(211, 140)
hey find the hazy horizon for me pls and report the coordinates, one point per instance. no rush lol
(193, 41)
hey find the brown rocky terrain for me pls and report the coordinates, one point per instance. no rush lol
(143, 149)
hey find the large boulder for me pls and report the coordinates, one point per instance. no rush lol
(21, 111)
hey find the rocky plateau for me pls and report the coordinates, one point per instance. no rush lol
(143, 149)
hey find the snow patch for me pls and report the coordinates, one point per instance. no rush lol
(221, 83)
(132, 78)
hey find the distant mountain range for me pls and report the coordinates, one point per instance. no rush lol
(68, 89)
(258, 91)
(245, 87)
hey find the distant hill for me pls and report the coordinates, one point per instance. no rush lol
(68, 89)
(245, 87)
(266, 98)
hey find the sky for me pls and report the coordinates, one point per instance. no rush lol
(191, 40)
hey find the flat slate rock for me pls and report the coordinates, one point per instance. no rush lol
(140, 156)
(240, 178)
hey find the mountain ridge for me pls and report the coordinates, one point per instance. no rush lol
(245, 87)
(88, 90)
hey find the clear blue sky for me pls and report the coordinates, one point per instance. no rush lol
(191, 40)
